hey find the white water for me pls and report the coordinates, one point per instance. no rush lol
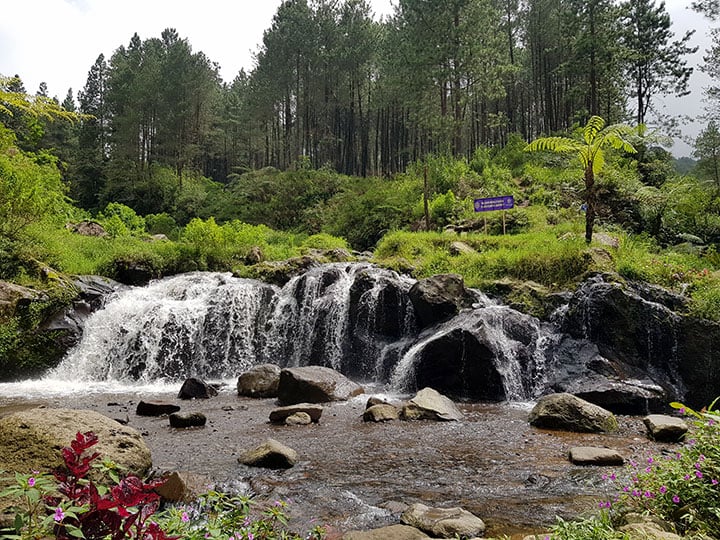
(355, 318)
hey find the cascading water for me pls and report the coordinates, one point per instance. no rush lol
(353, 317)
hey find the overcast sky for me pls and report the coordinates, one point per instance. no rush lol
(57, 41)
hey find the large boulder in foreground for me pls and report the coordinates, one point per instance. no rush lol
(32, 440)
(570, 413)
(315, 384)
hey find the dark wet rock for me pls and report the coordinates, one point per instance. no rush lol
(466, 356)
(589, 455)
(182, 486)
(429, 404)
(643, 327)
(621, 389)
(194, 388)
(32, 440)
(570, 413)
(155, 408)
(280, 414)
(259, 381)
(298, 419)
(131, 271)
(443, 522)
(665, 428)
(439, 298)
(383, 412)
(271, 455)
(180, 420)
(392, 532)
(315, 384)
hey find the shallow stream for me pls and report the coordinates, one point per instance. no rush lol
(351, 474)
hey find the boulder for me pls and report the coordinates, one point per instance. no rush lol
(315, 384)
(431, 405)
(280, 272)
(383, 412)
(644, 327)
(393, 532)
(570, 413)
(179, 420)
(181, 486)
(271, 454)
(280, 414)
(665, 428)
(13, 296)
(439, 297)
(469, 357)
(32, 439)
(589, 455)
(259, 381)
(87, 228)
(298, 419)
(443, 522)
(460, 248)
(155, 408)
(194, 388)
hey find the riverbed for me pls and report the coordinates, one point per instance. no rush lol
(356, 475)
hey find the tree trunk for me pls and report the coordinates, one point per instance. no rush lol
(590, 200)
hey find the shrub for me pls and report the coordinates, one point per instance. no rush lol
(682, 488)
(75, 505)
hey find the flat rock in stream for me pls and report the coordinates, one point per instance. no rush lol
(443, 522)
(665, 428)
(394, 532)
(280, 414)
(589, 455)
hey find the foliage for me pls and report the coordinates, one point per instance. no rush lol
(71, 503)
(78, 507)
(31, 188)
(121, 220)
(595, 136)
(682, 487)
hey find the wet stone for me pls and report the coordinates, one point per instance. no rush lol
(588, 455)
(155, 408)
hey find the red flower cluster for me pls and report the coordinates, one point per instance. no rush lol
(121, 512)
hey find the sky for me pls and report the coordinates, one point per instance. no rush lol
(57, 41)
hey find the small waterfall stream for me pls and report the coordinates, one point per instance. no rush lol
(353, 317)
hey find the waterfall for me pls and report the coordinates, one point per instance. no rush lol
(353, 317)
(213, 325)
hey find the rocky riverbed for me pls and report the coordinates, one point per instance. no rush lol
(356, 475)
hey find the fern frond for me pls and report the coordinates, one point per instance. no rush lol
(594, 126)
(554, 144)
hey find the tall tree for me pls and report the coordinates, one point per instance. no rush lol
(591, 151)
(707, 151)
(655, 65)
(89, 176)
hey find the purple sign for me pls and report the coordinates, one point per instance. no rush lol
(506, 202)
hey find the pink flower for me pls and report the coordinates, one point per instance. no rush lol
(184, 517)
(698, 474)
(714, 482)
(59, 514)
(31, 481)
(676, 499)
(663, 489)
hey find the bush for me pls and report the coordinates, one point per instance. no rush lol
(683, 487)
(71, 504)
